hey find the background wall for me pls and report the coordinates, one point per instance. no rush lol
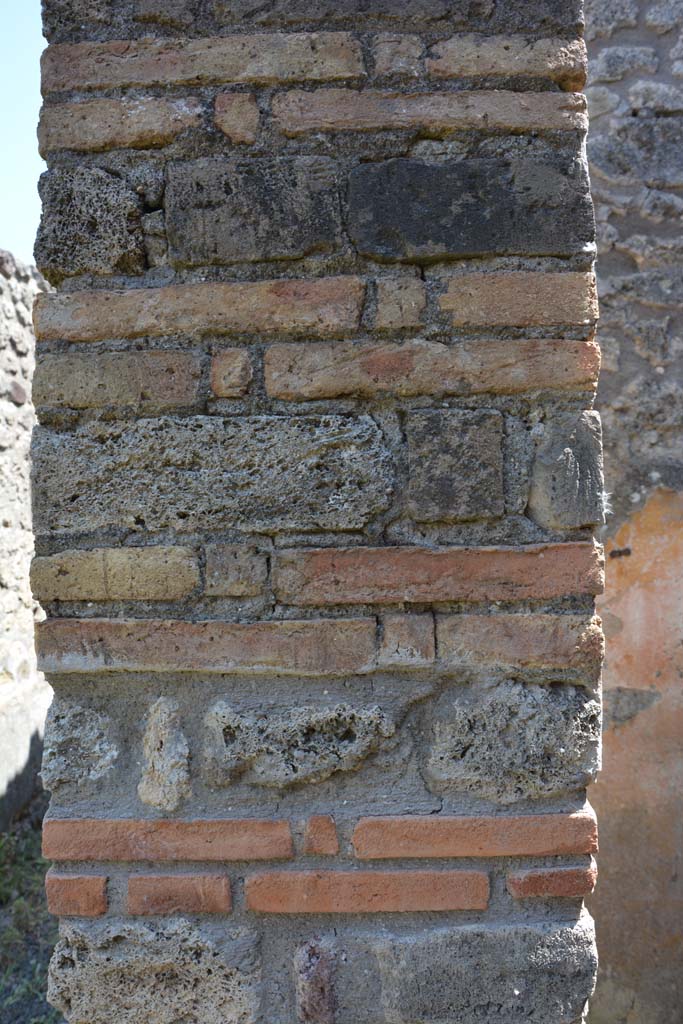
(636, 154)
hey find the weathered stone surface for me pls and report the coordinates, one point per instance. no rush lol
(159, 973)
(156, 573)
(616, 62)
(165, 780)
(79, 745)
(513, 742)
(521, 298)
(477, 207)
(541, 973)
(314, 983)
(460, 476)
(264, 471)
(306, 745)
(640, 151)
(264, 208)
(90, 224)
(604, 17)
(233, 570)
(567, 480)
(237, 116)
(398, 54)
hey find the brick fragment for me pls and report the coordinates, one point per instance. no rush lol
(95, 125)
(569, 643)
(366, 892)
(324, 307)
(561, 60)
(311, 647)
(300, 372)
(231, 373)
(235, 570)
(318, 576)
(116, 574)
(179, 894)
(76, 895)
(561, 883)
(538, 835)
(398, 54)
(333, 110)
(125, 839)
(400, 303)
(320, 836)
(407, 641)
(147, 380)
(264, 58)
(521, 299)
(237, 116)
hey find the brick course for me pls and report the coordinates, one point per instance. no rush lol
(179, 894)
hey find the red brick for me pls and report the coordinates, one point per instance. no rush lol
(539, 835)
(464, 56)
(366, 892)
(95, 125)
(179, 894)
(312, 647)
(125, 839)
(231, 373)
(264, 58)
(401, 303)
(420, 367)
(237, 116)
(439, 113)
(76, 895)
(407, 641)
(148, 380)
(565, 642)
(322, 576)
(521, 298)
(320, 836)
(325, 306)
(562, 883)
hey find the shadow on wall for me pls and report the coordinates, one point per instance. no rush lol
(22, 786)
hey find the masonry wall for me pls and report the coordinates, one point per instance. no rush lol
(635, 98)
(24, 694)
(315, 486)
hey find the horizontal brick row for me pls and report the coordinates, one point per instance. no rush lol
(323, 308)
(567, 643)
(99, 124)
(296, 372)
(312, 892)
(271, 58)
(377, 838)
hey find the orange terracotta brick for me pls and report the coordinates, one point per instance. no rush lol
(125, 839)
(148, 380)
(401, 303)
(407, 641)
(420, 367)
(94, 125)
(325, 306)
(463, 56)
(265, 58)
(179, 894)
(76, 895)
(231, 373)
(237, 116)
(562, 883)
(332, 110)
(116, 574)
(321, 576)
(566, 642)
(320, 836)
(312, 647)
(366, 892)
(540, 835)
(521, 298)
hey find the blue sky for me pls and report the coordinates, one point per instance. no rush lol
(21, 43)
